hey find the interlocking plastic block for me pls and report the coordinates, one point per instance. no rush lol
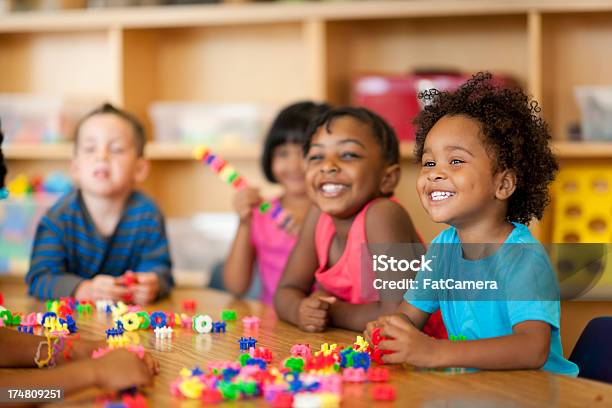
(188, 305)
(261, 352)
(219, 327)
(228, 315)
(246, 343)
(354, 375)
(251, 322)
(283, 400)
(301, 350)
(202, 324)
(158, 319)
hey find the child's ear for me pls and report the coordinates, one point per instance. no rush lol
(390, 179)
(142, 170)
(506, 184)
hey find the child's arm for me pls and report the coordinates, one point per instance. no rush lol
(386, 223)
(24, 346)
(292, 301)
(526, 348)
(155, 267)
(102, 372)
(238, 269)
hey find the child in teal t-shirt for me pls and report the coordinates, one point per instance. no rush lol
(486, 167)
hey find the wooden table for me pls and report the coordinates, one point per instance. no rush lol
(414, 388)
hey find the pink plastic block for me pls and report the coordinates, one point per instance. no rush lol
(301, 350)
(251, 322)
(356, 375)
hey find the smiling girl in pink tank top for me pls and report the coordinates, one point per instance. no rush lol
(352, 169)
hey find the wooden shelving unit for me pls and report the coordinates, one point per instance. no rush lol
(168, 152)
(276, 53)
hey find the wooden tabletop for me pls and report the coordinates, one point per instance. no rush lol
(414, 388)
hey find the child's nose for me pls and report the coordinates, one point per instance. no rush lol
(102, 154)
(436, 174)
(329, 166)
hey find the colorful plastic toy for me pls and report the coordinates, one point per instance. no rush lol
(246, 343)
(261, 352)
(163, 332)
(25, 329)
(301, 350)
(202, 324)
(131, 321)
(158, 319)
(188, 305)
(356, 375)
(145, 320)
(228, 315)
(230, 175)
(219, 327)
(251, 322)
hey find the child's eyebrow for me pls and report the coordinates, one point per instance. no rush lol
(355, 141)
(459, 148)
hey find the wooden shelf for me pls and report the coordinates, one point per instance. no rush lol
(169, 151)
(153, 151)
(166, 151)
(275, 53)
(59, 151)
(583, 150)
(266, 13)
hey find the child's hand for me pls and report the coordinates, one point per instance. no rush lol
(122, 369)
(146, 289)
(409, 344)
(380, 322)
(101, 287)
(293, 225)
(82, 349)
(314, 312)
(245, 200)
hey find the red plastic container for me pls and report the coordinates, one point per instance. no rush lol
(395, 97)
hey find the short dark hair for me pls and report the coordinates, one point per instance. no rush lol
(513, 131)
(2, 166)
(139, 134)
(289, 126)
(381, 130)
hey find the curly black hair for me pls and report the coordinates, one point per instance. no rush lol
(514, 133)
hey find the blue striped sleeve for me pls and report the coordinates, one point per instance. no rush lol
(47, 277)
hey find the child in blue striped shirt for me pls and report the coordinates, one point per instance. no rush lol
(93, 235)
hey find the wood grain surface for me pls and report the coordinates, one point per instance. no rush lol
(415, 388)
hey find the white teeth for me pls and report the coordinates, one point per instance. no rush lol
(440, 195)
(331, 188)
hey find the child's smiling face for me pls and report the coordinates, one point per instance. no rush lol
(345, 168)
(458, 184)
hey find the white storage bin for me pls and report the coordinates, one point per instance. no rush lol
(209, 123)
(39, 119)
(596, 108)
